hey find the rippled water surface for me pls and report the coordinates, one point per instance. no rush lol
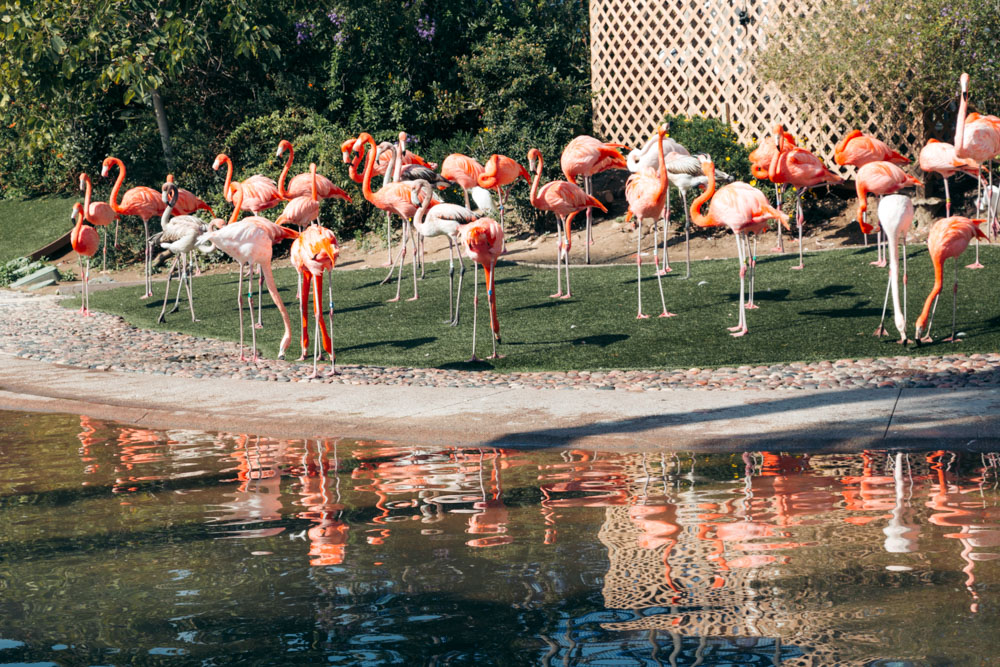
(124, 546)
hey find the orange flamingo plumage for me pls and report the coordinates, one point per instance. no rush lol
(187, 202)
(976, 137)
(259, 193)
(941, 158)
(314, 252)
(565, 199)
(585, 156)
(463, 170)
(85, 242)
(501, 172)
(301, 185)
(760, 164)
(483, 242)
(879, 178)
(858, 149)
(97, 213)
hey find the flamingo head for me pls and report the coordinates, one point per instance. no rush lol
(419, 191)
(283, 145)
(360, 141)
(964, 83)
(346, 149)
(83, 181)
(75, 214)
(219, 159)
(168, 191)
(707, 166)
(106, 166)
(534, 159)
(661, 131)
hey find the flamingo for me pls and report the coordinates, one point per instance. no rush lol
(179, 235)
(742, 208)
(483, 241)
(895, 215)
(645, 157)
(857, 149)
(302, 209)
(976, 137)
(140, 201)
(684, 173)
(802, 170)
(187, 202)
(392, 198)
(85, 242)
(585, 156)
(646, 194)
(500, 172)
(301, 185)
(879, 178)
(949, 237)
(442, 220)
(249, 241)
(940, 157)
(314, 252)
(565, 199)
(97, 213)
(463, 170)
(760, 164)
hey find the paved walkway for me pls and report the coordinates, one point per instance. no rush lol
(54, 360)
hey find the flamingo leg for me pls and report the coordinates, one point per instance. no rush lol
(492, 298)
(904, 279)
(800, 220)
(392, 265)
(305, 281)
(687, 235)
(104, 256)
(466, 193)
(885, 306)
(149, 263)
(401, 261)
(413, 261)
(86, 288)
(451, 280)
(253, 327)
(778, 190)
(260, 298)
(318, 318)
(461, 275)
(741, 326)
(272, 289)
(954, 307)
(191, 258)
(318, 310)
(166, 292)
(180, 284)
(420, 241)
(587, 187)
(388, 240)
(947, 199)
(751, 256)
(239, 302)
(659, 283)
(475, 307)
(559, 247)
(333, 350)
(666, 231)
(638, 266)
(567, 232)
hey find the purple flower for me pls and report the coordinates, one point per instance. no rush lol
(335, 18)
(339, 38)
(303, 31)
(426, 27)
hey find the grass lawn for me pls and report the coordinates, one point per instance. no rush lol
(27, 225)
(828, 311)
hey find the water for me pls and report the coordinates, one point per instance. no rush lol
(129, 546)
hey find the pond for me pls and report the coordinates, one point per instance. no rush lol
(125, 545)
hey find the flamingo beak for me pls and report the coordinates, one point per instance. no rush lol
(216, 165)
(104, 171)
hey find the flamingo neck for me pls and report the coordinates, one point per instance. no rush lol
(312, 171)
(87, 191)
(418, 219)
(282, 192)
(707, 168)
(663, 167)
(168, 211)
(366, 180)
(492, 297)
(772, 169)
(113, 199)
(237, 203)
(533, 195)
(229, 178)
(398, 171)
(963, 106)
(938, 282)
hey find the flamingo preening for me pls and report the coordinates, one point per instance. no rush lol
(139, 201)
(976, 137)
(314, 252)
(483, 241)
(745, 210)
(585, 156)
(646, 157)
(646, 193)
(565, 199)
(85, 242)
(760, 164)
(97, 213)
(949, 237)
(178, 234)
(250, 241)
(895, 216)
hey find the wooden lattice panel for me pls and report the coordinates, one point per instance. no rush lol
(651, 58)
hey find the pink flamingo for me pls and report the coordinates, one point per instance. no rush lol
(941, 158)
(97, 213)
(895, 216)
(565, 199)
(249, 241)
(585, 156)
(949, 237)
(302, 209)
(314, 252)
(85, 242)
(501, 172)
(187, 202)
(301, 185)
(140, 201)
(976, 137)
(392, 198)
(760, 164)
(463, 170)
(640, 158)
(646, 193)
(879, 178)
(483, 241)
(802, 170)
(745, 210)
(857, 149)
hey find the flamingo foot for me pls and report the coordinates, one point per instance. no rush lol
(902, 341)
(146, 295)
(302, 358)
(880, 262)
(777, 248)
(667, 313)
(925, 339)
(664, 271)
(975, 265)
(880, 332)
(413, 298)
(258, 325)
(496, 356)
(798, 268)
(473, 358)
(949, 339)
(751, 306)
(642, 316)
(736, 328)
(741, 332)
(557, 295)
(392, 300)
(567, 295)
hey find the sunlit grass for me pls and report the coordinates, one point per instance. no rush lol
(26, 226)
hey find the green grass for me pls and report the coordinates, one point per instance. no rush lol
(828, 311)
(27, 225)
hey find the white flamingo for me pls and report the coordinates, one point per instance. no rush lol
(895, 215)
(179, 235)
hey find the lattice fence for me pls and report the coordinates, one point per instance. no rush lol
(650, 58)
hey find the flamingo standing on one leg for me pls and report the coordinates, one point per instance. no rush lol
(392, 198)
(140, 201)
(639, 158)
(97, 213)
(976, 137)
(742, 208)
(940, 157)
(565, 199)
(949, 237)
(314, 252)
(250, 241)
(499, 173)
(585, 156)
(483, 241)
(646, 193)
(443, 220)
(178, 234)
(85, 242)
(895, 215)
(879, 178)
(801, 169)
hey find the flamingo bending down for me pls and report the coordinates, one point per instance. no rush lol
(684, 173)
(314, 252)
(565, 199)
(585, 156)
(646, 193)
(442, 220)
(802, 170)
(187, 202)
(97, 213)
(179, 234)
(879, 178)
(742, 208)
(857, 149)
(301, 185)
(976, 137)
(501, 172)
(895, 215)
(140, 201)
(949, 237)
(941, 158)
(483, 241)
(465, 171)
(392, 198)
(249, 241)
(646, 157)
(85, 242)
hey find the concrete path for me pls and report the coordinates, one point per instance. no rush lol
(846, 420)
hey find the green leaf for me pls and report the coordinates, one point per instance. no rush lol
(58, 45)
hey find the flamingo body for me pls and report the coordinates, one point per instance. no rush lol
(501, 171)
(941, 158)
(859, 149)
(879, 178)
(483, 243)
(462, 169)
(585, 156)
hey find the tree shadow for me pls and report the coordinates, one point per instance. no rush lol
(408, 344)
(351, 309)
(552, 303)
(859, 309)
(468, 365)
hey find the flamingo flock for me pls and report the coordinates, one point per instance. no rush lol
(410, 191)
